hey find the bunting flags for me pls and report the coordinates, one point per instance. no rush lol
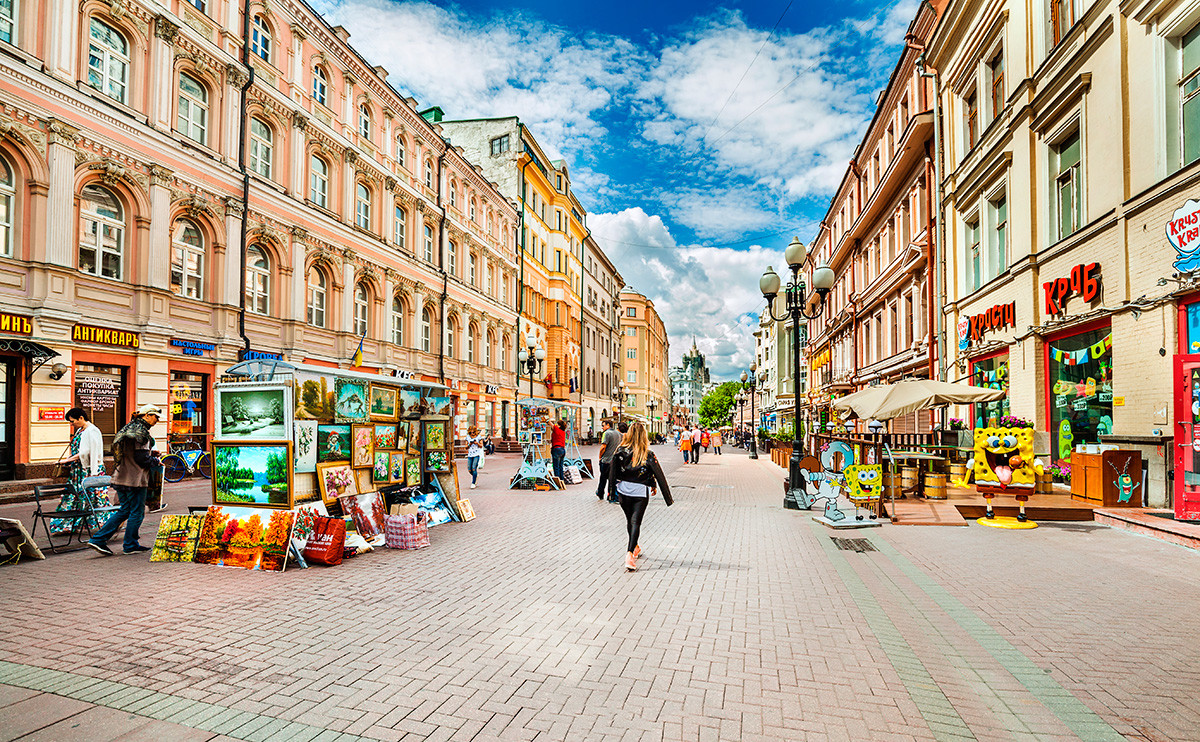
(1083, 355)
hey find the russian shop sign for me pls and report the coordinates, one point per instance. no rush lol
(191, 347)
(1183, 232)
(1083, 281)
(104, 336)
(1000, 316)
(15, 324)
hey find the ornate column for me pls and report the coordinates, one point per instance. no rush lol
(299, 162)
(348, 181)
(162, 62)
(347, 293)
(234, 283)
(158, 269)
(349, 120)
(61, 27)
(291, 305)
(297, 76)
(231, 121)
(60, 213)
(390, 278)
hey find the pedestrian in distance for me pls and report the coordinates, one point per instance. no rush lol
(685, 445)
(705, 439)
(558, 448)
(131, 479)
(610, 441)
(716, 441)
(696, 437)
(635, 476)
(476, 445)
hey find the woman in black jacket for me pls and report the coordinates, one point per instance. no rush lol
(633, 473)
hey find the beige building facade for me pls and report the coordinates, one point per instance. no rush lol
(644, 366)
(602, 345)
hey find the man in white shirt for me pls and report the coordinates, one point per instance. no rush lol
(696, 433)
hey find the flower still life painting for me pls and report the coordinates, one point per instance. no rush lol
(412, 472)
(385, 435)
(436, 461)
(397, 467)
(362, 446)
(381, 469)
(335, 479)
(304, 440)
(435, 435)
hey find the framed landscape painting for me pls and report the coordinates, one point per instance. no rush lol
(252, 473)
(385, 435)
(410, 403)
(333, 443)
(383, 402)
(351, 398)
(412, 432)
(305, 442)
(362, 446)
(242, 537)
(437, 406)
(254, 413)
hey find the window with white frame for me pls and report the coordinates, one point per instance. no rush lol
(450, 334)
(320, 85)
(362, 206)
(1066, 161)
(631, 353)
(428, 243)
(258, 281)
(452, 262)
(400, 152)
(453, 194)
(397, 321)
(504, 355)
(8, 20)
(997, 261)
(108, 60)
(471, 345)
(262, 147)
(1189, 94)
(471, 210)
(101, 233)
(362, 309)
(364, 121)
(487, 349)
(471, 261)
(428, 174)
(192, 118)
(487, 272)
(260, 38)
(187, 260)
(318, 182)
(398, 226)
(974, 259)
(425, 329)
(8, 202)
(316, 297)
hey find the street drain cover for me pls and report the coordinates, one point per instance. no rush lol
(853, 544)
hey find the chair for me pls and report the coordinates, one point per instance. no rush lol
(44, 494)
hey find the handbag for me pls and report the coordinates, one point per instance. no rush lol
(61, 469)
(407, 531)
(326, 542)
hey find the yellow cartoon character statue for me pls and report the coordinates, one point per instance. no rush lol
(864, 485)
(1003, 461)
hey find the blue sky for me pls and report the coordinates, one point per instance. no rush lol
(700, 135)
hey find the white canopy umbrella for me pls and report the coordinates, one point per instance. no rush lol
(887, 401)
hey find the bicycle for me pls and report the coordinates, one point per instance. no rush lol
(186, 458)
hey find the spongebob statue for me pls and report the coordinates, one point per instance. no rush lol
(864, 485)
(1003, 461)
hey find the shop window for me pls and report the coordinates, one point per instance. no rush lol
(187, 260)
(1080, 375)
(8, 201)
(258, 281)
(101, 233)
(189, 407)
(108, 60)
(100, 391)
(192, 118)
(991, 373)
(1192, 319)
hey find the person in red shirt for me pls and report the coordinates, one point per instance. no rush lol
(558, 447)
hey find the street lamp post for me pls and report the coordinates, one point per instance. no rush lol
(531, 357)
(750, 387)
(740, 399)
(650, 405)
(796, 254)
(618, 397)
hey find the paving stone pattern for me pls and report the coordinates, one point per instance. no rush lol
(744, 622)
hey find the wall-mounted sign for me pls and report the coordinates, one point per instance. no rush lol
(1118, 401)
(999, 316)
(191, 347)
(105, 336)
(492, 389)
(96, 392)
(15, 324)
(400, 374)
(1183, 232)
(260, 355)
(52, 413)
(1084, 281)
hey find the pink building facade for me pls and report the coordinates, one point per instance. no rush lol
(124, 206)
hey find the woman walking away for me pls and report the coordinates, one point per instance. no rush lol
(705, 439)
(475, 446)
(634, 474)
(685, 445)
(716, 442)
(86, 460)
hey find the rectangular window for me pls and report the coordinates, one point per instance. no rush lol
(428, 244)
(398, 227)
(973, 258)
(631, 332)
(971, 120)
(1062, 18)
(631, 377)
(998, 249)
(500, 145)
(996, 68)
(1189, 101)
(1067, 187)
(631, 353)
(631, 312)
(7, 20)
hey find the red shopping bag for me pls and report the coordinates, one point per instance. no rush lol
(325, 544)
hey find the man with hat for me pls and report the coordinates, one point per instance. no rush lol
(131, 479)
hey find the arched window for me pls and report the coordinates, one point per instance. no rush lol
(364, 120)
(397, 321)
(362, 309)
(487, 349)
(398, 226)
(425, 329)
(262, 147)
(471, 344)
(316, 297)
(8, 203)
(258, 281)
(320, 85)
(101, 233)
(260, 38)
(8, 20)
(318, 182)
(400, 153)
(472, 210)
(362, 206)
(487, 277)
(453, 194)
(428, 243)
(192, 121)
(471, 269)
(429, 173)
(451, 334)
(108, 61)
(187, 260)
(452, 266)
(504, 354)
(488, 218)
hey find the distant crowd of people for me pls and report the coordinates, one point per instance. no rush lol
(694, 439)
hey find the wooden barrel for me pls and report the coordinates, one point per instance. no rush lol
(958, 472)
(1044, 484)
(935, 486)
(908, 477)
(891, 484)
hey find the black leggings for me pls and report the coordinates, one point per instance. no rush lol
(635, 508)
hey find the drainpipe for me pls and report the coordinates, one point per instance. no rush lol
(521, 250)
(442, 265)
(244, 104)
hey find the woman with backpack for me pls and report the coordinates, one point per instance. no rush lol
(634, 475)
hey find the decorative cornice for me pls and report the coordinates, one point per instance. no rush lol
(233, 206)
(298, 31)
(298, 233)
(160, 175)
(236, 76)
(57, 132)
(165, 29)
(299, 120)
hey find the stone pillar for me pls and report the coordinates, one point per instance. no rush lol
(347, 317)
(298, 76)
(348, 183)
(60, 211)
(349, 118)
(299, 162)
(389, 290)
(231, 121)
(162, 63)
(234, 283)
(61, 26)
(299, 308)
(158, 270)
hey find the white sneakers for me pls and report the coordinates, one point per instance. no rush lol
(472, 485)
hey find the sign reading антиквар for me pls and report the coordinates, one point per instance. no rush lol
(105, 336)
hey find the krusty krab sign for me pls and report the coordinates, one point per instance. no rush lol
(1183, 231)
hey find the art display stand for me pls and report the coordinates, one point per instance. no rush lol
(533, 433)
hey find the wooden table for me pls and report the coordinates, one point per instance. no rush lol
(918, 456)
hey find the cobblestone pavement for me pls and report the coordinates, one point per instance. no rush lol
(745, 622)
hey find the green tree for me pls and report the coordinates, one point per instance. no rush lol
(716, 407)
(313, 400)
(237, 409)
(277, 410)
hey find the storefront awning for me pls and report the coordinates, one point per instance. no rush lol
(536, 402)
(37, 353)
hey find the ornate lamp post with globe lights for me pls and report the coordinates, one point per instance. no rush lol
(795, 310)
(618, 397)
(750, 389)
(740, 399)
(650, 405)
(531, 357)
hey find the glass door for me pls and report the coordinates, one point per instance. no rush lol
(1187, 437)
